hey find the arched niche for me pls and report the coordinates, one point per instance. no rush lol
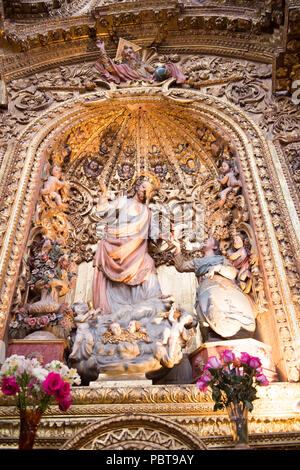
(130, 118)
(134, 432)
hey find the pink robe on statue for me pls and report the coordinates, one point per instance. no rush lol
(122, 257)
(120, 72)
(123, 73)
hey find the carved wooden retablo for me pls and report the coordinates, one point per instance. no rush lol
(149, 188)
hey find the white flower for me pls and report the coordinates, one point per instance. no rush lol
(4, 369)
(74, 376)
(20, 370)
(39, 373)
(12, 364)
(69, 375)
(77, 380)
(16, 366)
(55, 366)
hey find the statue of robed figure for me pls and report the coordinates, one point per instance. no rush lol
(128, 66)
(124, 271)
(225, 311)
(136, 329)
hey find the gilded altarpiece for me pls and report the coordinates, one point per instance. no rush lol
(60, 112)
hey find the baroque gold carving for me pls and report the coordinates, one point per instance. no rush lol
(260, 150)
(139, 432)
(255, 119)
(274, 423)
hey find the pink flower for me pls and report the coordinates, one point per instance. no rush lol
(63, 392)
(202, 385)
(262, 379)
(228, 356)
(31, 321)
(43, 321)
(244, 358)
(254, 362)
(213, 363)
(52, 383)
(203, 381)
(65, 404)
(9, 386)
(206, 377)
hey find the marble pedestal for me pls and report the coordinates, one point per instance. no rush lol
(253, 347)
(44, 350)
(122, 380)
(43, 345)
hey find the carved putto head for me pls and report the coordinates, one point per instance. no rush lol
(92, 168)
(126, 169)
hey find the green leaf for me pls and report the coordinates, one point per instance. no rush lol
(216, 393)
(249, 405)
(218, 406)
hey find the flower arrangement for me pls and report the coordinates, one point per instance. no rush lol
(23, 323)
(27, 378)
(232, 380)
(52, 262)
(34, 387)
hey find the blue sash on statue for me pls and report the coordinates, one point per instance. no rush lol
(202, 265)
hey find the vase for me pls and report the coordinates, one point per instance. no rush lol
(29, 421)
(238, 416)
(47, 304)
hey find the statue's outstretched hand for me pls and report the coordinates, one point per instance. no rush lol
(100, 45)
(172, 241)
(213, 270)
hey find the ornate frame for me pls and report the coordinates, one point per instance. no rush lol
(256, 161)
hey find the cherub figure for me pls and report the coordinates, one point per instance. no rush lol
(114, 333)
(115, 329)
(55, 188)
(159, 170)
(133, 327)
(241, 261)
(176, 336)
(126, 170)
(229, 179)
(136, 332)
(92, 169)
(190, 165)
(84, 339)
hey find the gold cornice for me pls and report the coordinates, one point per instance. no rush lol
(37, 44)
(273, 423)
(24, 64)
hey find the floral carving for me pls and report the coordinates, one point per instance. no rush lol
(23, 323)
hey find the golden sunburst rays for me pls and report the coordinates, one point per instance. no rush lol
(136, 137)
